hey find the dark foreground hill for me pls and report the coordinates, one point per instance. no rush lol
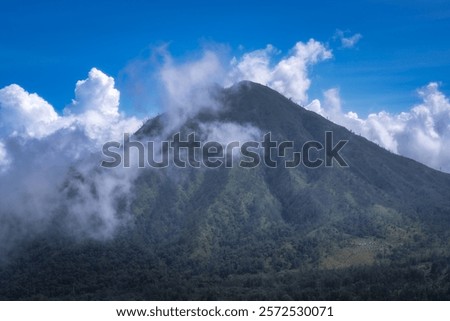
(377, 229)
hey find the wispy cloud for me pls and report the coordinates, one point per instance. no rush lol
(347, 41)
(186, 86)
(288, 75)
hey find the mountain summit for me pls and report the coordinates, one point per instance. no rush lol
(375, 229)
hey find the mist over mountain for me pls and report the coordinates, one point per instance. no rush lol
(377, 229)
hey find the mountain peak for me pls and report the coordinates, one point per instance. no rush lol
(241, 233)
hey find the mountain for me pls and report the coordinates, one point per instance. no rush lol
(375, 229)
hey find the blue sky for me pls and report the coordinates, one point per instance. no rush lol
(45, 46)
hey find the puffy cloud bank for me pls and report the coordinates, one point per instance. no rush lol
(94, 111)
(49, 162)
(422, 133)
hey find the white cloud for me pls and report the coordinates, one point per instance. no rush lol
(97, 93)
(289, 75)
(254, 66)
(22, 113)
(45, 156)
(96, 109)
(187, 86)
(4, 160)
(349, 41)
(423, 133)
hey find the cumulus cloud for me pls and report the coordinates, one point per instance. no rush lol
(22, 113)
(96, 109)
(49, 162)
(4, 161)
(187, 87)
(254, 66)
(288, 76)
(347, 41)
(422, 133)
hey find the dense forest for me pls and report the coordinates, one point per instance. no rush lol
(120, 270)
